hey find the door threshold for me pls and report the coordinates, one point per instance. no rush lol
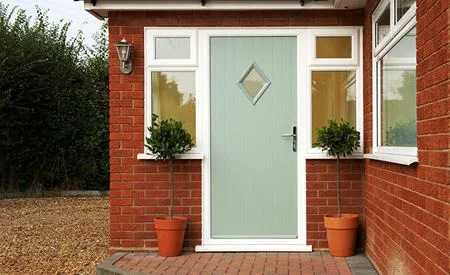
(253, 248)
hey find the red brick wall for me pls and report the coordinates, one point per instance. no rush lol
(321, 185)
(407, 207)
(139, 188)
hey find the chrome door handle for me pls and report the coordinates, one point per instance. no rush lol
(294, 138)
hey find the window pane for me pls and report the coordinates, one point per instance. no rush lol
(398, 94)
(403, 6)
(333, 97)
(173, 96)
(334, 47)
(383, 25)
(172, 48)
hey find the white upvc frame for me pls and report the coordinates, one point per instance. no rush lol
(172, 33)
(396, 26)
(400, 28)
(173, 65)
(336, 64)
(304, 68)
(209, 243)
(353, 60)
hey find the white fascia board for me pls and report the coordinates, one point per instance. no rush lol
(349, 4)
(210, 5)
(102, 7)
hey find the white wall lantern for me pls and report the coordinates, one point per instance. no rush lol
(124, 53)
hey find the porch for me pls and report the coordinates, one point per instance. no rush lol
(235, 263)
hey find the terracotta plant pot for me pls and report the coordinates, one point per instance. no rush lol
(170, 235)
(341, 234)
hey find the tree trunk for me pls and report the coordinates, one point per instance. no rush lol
(338, 186)
(171, 190)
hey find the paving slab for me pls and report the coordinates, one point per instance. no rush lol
(235, 263)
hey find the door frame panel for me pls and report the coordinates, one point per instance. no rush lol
(203, 106)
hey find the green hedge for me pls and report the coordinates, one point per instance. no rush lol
(53, 106)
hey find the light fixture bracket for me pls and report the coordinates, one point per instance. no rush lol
(124, 55)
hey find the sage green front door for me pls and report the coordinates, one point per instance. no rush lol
(253, 167)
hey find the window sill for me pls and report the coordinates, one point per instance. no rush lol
(324, 156)
(399, 159)
(144, 156)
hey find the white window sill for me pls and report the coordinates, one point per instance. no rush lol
(399, 159)
(144, 156)
(324, 156)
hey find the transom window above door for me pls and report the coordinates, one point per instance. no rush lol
(172, 47)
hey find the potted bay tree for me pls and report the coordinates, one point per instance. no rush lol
(168, 138)
(339, 139)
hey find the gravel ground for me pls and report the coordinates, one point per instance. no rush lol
(53, 235)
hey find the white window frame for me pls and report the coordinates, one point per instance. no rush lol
(172, 65)
(166, 33)
(400, 28)
(353, 60)
(335, 64)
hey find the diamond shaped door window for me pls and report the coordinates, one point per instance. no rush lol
(254, 83)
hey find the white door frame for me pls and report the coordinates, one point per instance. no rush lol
(306, 63)
(208, 243)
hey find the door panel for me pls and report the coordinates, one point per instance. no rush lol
(253, 168)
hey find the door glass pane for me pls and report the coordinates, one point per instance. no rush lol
(173, 96)
(333, 97)
(253, 83)
(334, 47)
(383, 25)
(172, 48)
(403, 6)
(398, 94)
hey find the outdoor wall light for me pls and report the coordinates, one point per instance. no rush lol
(124, 52)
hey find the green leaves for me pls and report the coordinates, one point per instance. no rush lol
(168, 138)
(53, 106)
(338, 139)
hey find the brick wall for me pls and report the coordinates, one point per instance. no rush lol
(139, 188)
(407, 207)
(321, 184)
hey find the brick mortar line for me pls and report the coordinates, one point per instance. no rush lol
(421, 165)
(407, 228)
(401, 236)
(429, 8)
(423, 75)
(376, 238)
(435, 51)
(443, 30)
(432, 119)
(411, 190)
(436, 167)
(434, 151)
(430, 103)
(435, 134)
(424, 30)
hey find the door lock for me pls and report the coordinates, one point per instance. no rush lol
(293, 135)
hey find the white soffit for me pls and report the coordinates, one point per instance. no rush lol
(102, 7)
